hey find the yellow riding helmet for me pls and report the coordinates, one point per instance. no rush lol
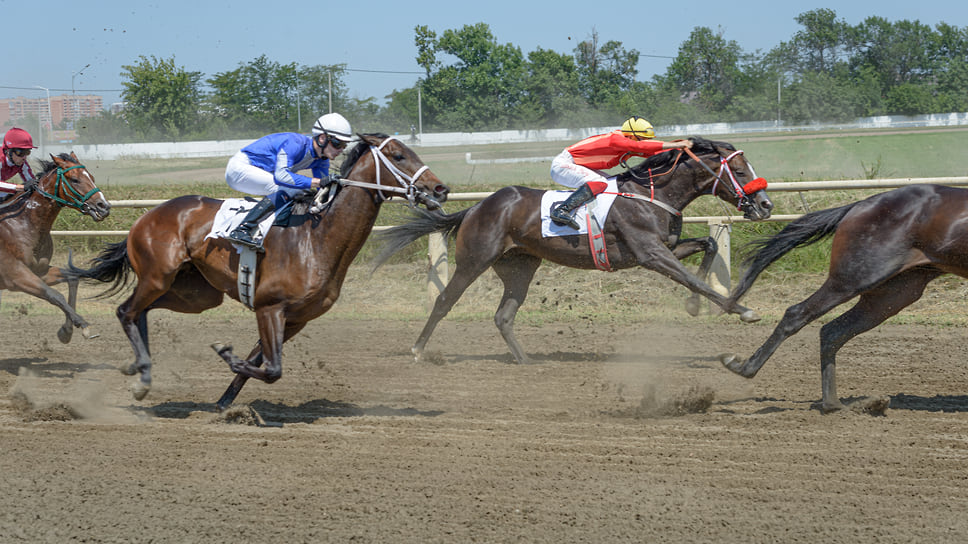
(637, 128)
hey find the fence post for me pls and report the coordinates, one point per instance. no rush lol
(437, 273)
(719, 278)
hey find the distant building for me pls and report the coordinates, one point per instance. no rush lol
(51, 114)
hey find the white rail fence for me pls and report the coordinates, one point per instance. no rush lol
(719, 226)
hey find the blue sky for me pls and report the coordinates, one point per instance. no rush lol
(48, 44)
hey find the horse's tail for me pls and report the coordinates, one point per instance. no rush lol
(422, 223)
(807, 230)
(111, 265)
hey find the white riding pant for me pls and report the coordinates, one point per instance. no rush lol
(245, 178)
(565, 172)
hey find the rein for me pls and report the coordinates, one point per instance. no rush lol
(407, 182)
(651, 197)
(77, 200)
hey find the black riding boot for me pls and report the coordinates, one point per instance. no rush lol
(243, 233)
(562, 213)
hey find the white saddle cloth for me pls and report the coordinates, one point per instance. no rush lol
(602, 205)
(231, 214)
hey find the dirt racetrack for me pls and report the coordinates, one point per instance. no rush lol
(621, 433)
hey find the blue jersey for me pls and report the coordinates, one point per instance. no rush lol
(284, 154)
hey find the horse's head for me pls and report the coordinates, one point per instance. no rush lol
(398, 169)
(730, 177)
(67, 182)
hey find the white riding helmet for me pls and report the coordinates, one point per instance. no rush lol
(334, 125)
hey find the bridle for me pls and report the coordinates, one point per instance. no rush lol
(741, 192)
(74, 199)
(407, 182)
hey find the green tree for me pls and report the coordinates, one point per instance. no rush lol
(551, 96)
(823, 42)
(706, 69)
(258, 95)
(818, 96)
(900, 52)
(481, 90)
(162, 99)
(605, 70)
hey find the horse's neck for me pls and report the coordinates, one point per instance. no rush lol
(352, 215)
(678, 191)
(35, 216)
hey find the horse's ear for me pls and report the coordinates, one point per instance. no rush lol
(74, 158)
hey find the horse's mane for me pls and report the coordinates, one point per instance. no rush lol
(46, 166)
(662, 162)
(356, 152)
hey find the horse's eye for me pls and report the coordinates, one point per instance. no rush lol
(398, 157)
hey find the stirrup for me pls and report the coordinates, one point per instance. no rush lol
(246, 240)
(565, 220)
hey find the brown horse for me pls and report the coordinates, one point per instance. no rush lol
(885, 250)
(25, 243)
(299, 276)
(503, 232)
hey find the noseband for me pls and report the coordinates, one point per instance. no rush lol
(77, 200)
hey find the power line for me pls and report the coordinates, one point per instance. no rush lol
(381, 71)
(62, 90)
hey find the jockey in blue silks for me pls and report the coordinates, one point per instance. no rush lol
(269, 166)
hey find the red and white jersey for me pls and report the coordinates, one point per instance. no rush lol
(8, 170)
(605, 151)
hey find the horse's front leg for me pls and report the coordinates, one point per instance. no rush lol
(24, 280)
(689, 247)
(665, 262)
(53, 277)
(255, 359)
(271, 336)
(234, 388)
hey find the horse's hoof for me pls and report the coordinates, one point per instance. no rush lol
(64, 334)
(140, 390)
(732, 362)
(131, 370)
(221, 348)
(692, 306)
(749, 316)
(86, 333)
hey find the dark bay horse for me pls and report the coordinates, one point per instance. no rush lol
(25, 243)
(503, 232)
(885, 249)
(298, 277)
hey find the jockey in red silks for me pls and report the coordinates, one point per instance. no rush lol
(16, 147)
(580, 165)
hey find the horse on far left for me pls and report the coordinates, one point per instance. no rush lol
(26, 246)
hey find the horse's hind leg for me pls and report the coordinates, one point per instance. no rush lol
(873, 308)
(463, 277)
(689, 247)
(516, 271)
(795, 318)
(134, 323)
